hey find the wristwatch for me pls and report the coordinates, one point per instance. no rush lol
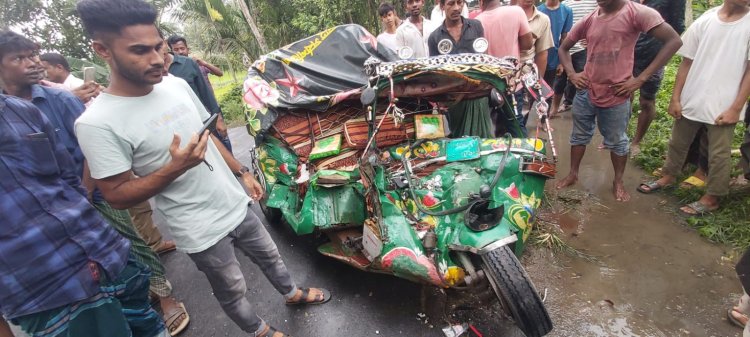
(242, 171)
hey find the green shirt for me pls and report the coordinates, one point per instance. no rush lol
(186, 69)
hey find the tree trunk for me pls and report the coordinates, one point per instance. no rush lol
(688, 13)
(253, 26)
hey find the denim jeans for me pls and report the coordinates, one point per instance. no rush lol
(612, 122)
(222, 269)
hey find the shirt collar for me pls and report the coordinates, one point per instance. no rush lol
(178, 59)
(535, 15)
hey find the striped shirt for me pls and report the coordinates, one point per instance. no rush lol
(580, 9)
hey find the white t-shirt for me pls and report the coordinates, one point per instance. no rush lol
(713, 81)
(408, 35)
(117, 134)
(438, 15)
(388, 40)
(71, 82)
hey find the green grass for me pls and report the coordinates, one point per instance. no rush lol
(731, 223)
(229, 95)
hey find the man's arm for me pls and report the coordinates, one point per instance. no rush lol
(675, 105)
(205, 94)
(256, 190)
(525, 42)
(124, 190)
(578, 79)
(5, 328)
(540, 59)
(671, 44)
(214, 70)
(732, 114)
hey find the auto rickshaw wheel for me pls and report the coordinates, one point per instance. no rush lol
(515, 291)
(273, 215)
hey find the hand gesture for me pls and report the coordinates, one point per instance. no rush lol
(87, 91)
(675, 109)
(192, 154)
(559, 70)
(628, 87)
(256, 190)
(728, 117)
(579, 80)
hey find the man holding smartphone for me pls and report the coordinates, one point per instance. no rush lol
(144, 125)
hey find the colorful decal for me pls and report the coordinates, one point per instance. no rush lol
(405, 262)
(521, 211)
(268, 165)
(291, 82)
(309, 49)
(258, 96)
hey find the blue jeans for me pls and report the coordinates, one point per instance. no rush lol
(612, 122)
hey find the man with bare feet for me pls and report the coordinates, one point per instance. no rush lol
(710, 91)
(606, 83)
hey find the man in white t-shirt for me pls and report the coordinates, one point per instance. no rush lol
(390, 21)
(415, 30)
(58, 71)
(710, 90)
(438, 14)
(145, 125)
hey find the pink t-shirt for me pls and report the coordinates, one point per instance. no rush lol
(502, 27)
(611, 43)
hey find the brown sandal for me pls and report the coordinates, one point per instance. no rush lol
(739, 320)
(170, 319)
(306, 296)
(271, 332)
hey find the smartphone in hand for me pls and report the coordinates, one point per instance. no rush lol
(209, 124)
(89, 74)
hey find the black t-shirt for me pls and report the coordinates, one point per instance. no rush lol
(471, 30)
(673, 12)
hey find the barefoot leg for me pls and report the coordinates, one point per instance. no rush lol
(576, 155)
(618, 162)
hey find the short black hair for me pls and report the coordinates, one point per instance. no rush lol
(55, 59)
(111, 16)
(384, 8)
(175, 39)
(13, 42)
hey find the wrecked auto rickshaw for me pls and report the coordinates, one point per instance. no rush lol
(354, 143)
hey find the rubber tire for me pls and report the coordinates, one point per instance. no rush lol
(273, 215)
(516, 292)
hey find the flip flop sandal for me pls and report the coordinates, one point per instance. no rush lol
(171, 317)
(692, 181)
(740, 321)
(649, 187)
(307, 297)
(699, 208)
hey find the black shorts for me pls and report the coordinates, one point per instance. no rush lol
(651, 87)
